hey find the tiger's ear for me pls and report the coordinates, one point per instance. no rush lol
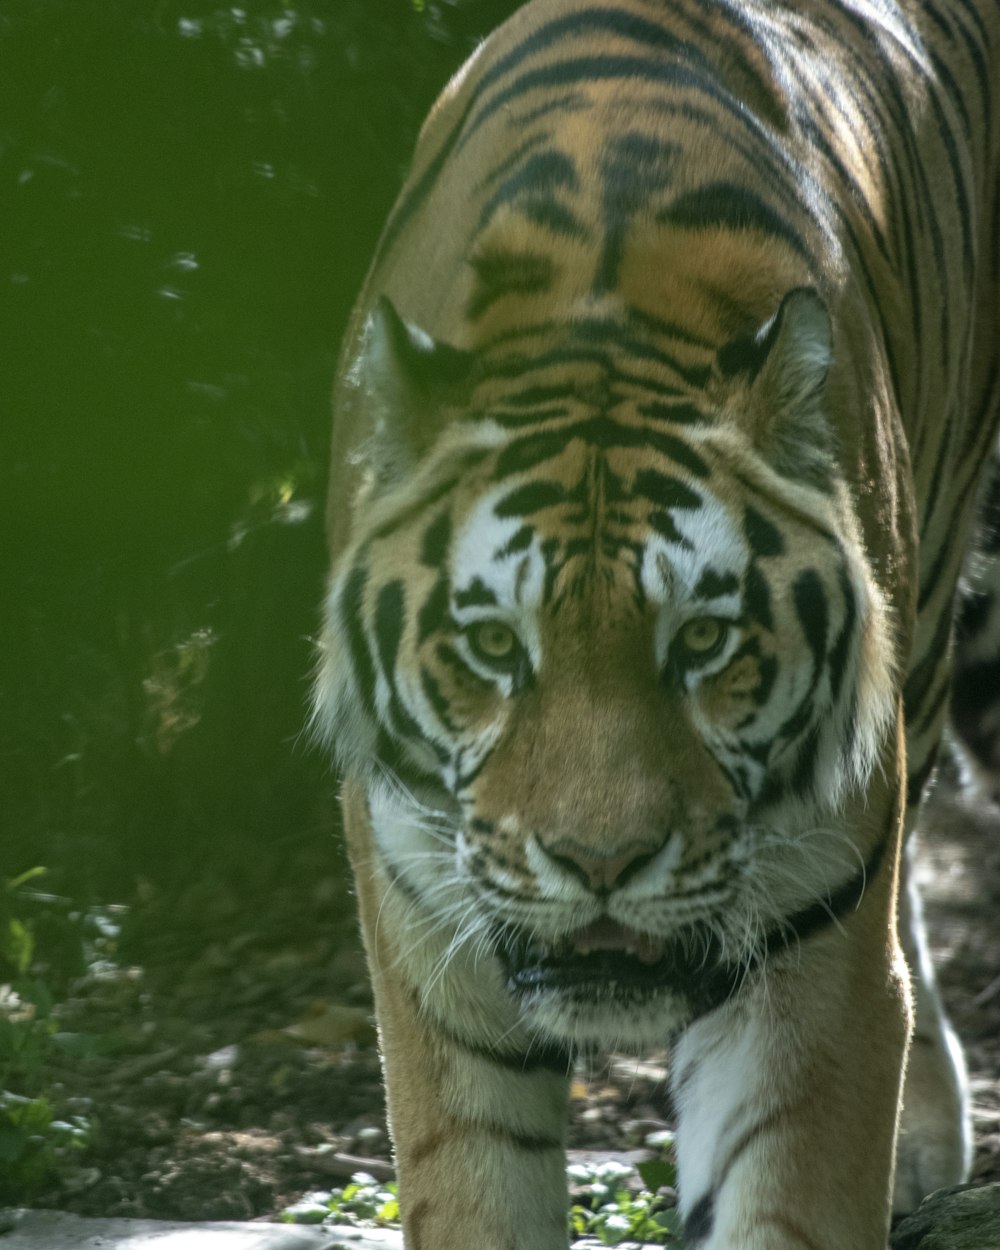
(406, 378)
(784, 367)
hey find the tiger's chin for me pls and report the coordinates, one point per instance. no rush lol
(610, 986)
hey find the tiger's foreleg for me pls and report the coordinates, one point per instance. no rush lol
(476, 1111)
(935, 1132)
(787, 1097)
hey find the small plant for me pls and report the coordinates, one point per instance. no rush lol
(604, 1206)
(365, 1202)
(33, 1143)
(25, 1002)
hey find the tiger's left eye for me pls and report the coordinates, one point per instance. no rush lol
(493, 642)
(701, 638)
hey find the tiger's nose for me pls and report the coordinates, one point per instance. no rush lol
(601, 873)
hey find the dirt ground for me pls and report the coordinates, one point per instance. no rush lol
(225, 1059)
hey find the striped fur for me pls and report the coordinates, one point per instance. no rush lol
(656, 441)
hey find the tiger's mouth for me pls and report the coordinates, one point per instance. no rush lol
(606, 957)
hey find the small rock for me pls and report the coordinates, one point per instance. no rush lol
(370, 1138)
(965, 1217)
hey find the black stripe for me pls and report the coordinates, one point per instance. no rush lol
(712, 584)
(664, 491)
(757, 597)
(600, 68)
(932, 708)
(352, 613)
(541, 174)
(818, 916)
(679, 413)
(812, 609)
(604, 21)
(434, 610)
(839, 651)
(436, 540)
(700, 1220)
(915, 784)
(539, 1056)
(476, 594)
(529, 499)
(573, 102)
(975, 52)
(514, 158)
(389, 608)
(804, 771)
(520, 542)
(764, 537)
(441, 706)
(506, 273)
(731, 206)
(921, 678)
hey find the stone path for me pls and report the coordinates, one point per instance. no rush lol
(55, 1230)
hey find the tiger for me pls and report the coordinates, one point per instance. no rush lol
(658, 423)
(975, 695)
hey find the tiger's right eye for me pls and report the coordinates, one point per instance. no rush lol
(494, 643)
(699, 640)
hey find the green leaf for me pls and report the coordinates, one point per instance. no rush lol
(17, 945)
(15, 883)
(657, 1174)
(13, 1142)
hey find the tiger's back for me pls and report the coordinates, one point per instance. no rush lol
(656, 438)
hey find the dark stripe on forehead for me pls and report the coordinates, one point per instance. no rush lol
(757, 597)
(601, 431)
(764, 537)
(730, 206)
(476, 594)
(514, 158)
(665, 491)
(520, 542)
(619, 357)
(526, 500)
(664, 525)
(540, 174)
(434, 611)
(437, 538)
(711, 584)
(506, 273)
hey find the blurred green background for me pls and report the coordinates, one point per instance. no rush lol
(189, 197)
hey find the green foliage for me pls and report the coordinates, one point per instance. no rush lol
(604, 1208)
(33, 1144)
(17, 945)
(365, 1202)
(32, 1141)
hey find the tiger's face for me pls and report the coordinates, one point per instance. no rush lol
(591, 660)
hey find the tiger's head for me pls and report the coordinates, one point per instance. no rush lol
(604, 650)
